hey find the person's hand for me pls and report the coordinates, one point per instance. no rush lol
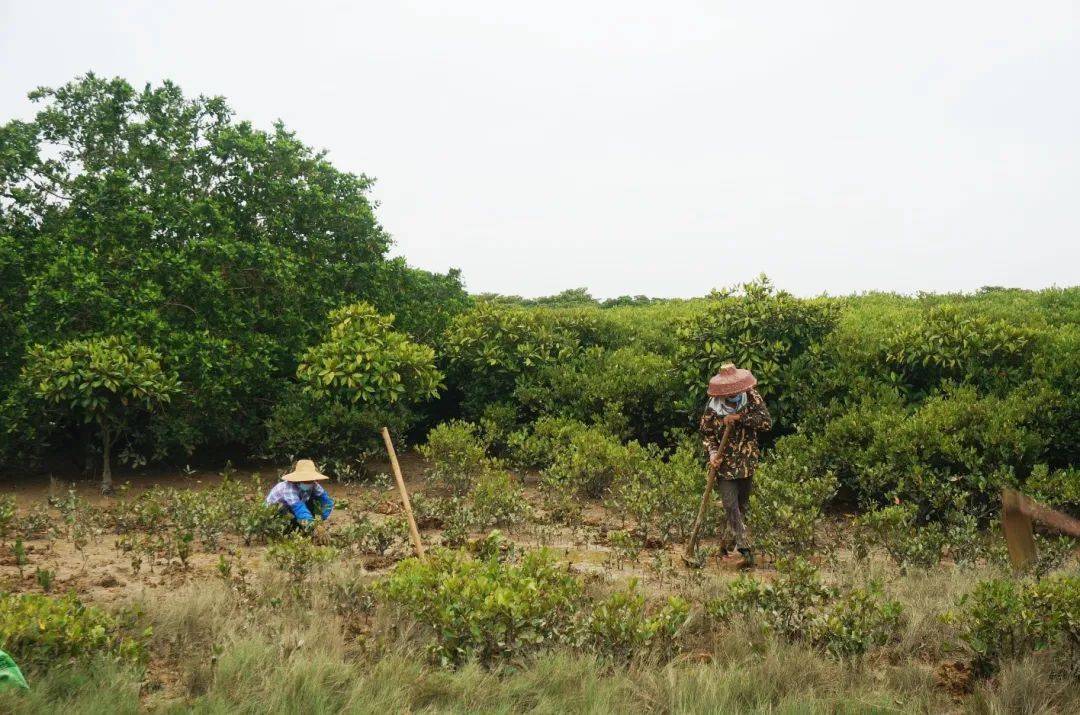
(714, 458)
(732, 418)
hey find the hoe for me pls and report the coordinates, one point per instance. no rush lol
(1017, 513)
(691, 558)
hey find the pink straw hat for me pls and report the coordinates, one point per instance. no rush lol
(731, 381)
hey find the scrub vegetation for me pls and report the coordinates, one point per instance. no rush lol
(178, 287)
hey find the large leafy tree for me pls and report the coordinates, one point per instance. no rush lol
(155, 215)
(104, 381)
(362, 376)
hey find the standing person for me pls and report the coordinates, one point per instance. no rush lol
(300, 496)
(734, 401)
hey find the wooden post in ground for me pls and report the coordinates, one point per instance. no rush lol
(1016, 526)
(414, 533)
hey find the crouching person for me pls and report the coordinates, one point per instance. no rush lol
(734, 401)
(300, 496)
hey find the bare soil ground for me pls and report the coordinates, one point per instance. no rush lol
(102, 574)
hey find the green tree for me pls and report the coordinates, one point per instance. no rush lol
(362, 376)
(103, 381)
(144, 212)
(365, 360)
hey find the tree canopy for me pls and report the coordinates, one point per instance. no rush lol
(158, 216)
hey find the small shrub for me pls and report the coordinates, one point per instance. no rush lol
(787, 500)
(458, 525)
(44, 578)
(18, 550)
(1052, 552)
(432, 511)
(624, 548)
(658, 493)
(493, 546)
(786, 606)
(908, 543)
(535, 446)
(856, 621)
(41, 631)
(144, 548)
(371, 537)
(458, 456)
(485, 609)
(620, 626)
(1059, 488)
(7, 514)
(262, 522)
(297, 556)
(965, 540)
(182, 546)
(593, 461)
(562, 507)
(35, 524)
(798, 606)
(498, 422)
(1006, 619)
(497, 500)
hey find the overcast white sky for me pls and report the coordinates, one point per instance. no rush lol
(663, 148)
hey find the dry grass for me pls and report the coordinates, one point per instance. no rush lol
(215, 652)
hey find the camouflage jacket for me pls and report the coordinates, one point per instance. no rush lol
(740, 457)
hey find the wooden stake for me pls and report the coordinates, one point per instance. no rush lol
(1016, 525)
(690, 556)
(414, 533)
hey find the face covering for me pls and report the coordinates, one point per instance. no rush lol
(306, 488)
(727, 405)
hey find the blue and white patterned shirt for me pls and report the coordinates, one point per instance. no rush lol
(290, 496)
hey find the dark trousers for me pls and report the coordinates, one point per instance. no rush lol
(735, 495)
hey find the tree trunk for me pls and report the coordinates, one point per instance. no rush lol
(86, 433)
(106, 467)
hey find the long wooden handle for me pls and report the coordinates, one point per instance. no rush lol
(695, 532)
(414, 533)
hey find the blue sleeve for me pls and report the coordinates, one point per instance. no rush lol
(328, 505)
(300, 511)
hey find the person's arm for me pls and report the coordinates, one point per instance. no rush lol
(757, 415)
(325, 500)
(709, 428)
(301, 512)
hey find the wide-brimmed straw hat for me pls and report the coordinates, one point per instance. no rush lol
(305, 472)
(730, 381)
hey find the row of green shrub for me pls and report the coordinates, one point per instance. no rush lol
(936, 401)
(492, 608)
(655, 492)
